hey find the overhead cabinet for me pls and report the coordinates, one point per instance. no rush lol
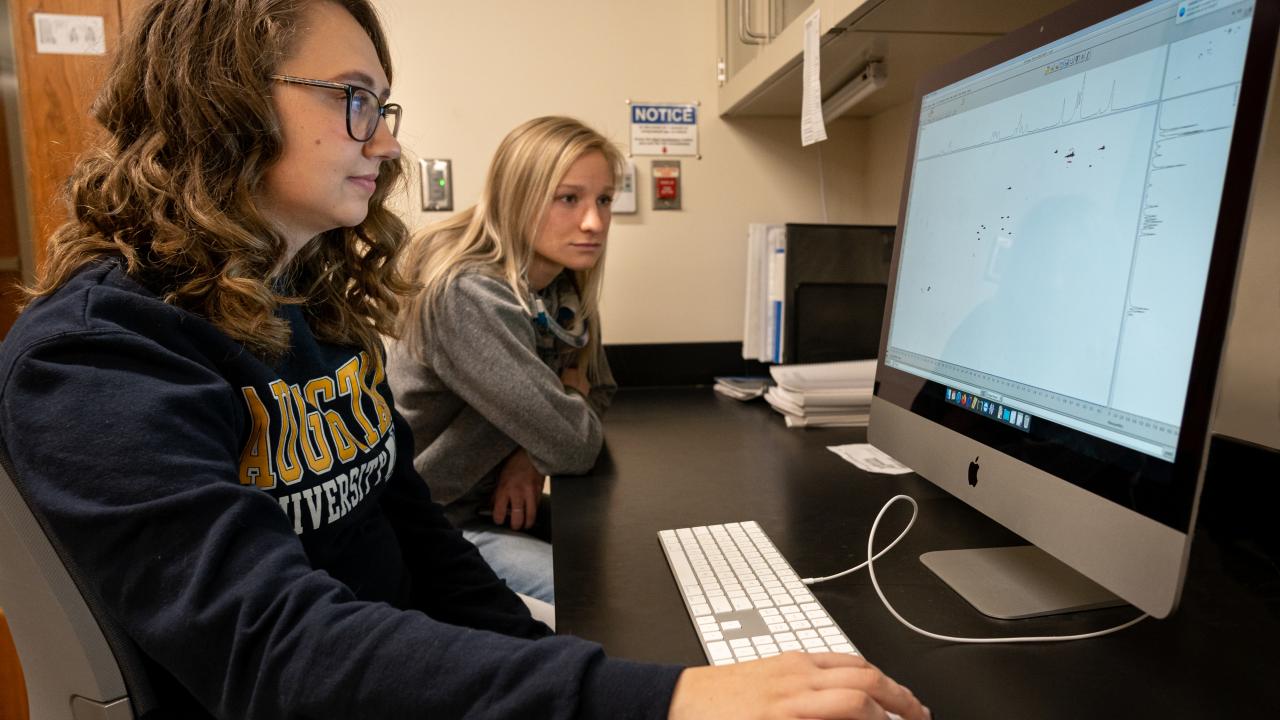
(761, 46)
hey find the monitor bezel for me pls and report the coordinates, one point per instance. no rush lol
(1162, 491)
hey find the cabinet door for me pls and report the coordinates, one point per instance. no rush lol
(745, 29)
(55, 92)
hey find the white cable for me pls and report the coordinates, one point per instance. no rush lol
(887, 548)
(869, 564)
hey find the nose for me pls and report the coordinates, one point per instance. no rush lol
(594, 220)
(383, 145)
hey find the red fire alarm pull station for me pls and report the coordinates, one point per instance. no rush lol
(666, 184)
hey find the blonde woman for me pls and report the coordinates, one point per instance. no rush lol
(499, 370)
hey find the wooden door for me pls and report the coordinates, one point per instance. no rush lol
(54, 95)
(13, 689)
(10, 248)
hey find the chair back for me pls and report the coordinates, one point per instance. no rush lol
(69, 668)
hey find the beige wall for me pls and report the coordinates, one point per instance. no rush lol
(888, 134)
(467, 72)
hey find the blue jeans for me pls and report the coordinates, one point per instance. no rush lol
(520, 558)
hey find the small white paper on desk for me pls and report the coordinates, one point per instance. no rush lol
(812, 128)
(869, 458)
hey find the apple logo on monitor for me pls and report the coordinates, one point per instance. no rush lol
(973, 473)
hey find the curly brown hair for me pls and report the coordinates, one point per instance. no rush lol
(190, 133)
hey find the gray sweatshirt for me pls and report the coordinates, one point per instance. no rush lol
(482, 391)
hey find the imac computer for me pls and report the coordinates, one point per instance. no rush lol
(1071, 220)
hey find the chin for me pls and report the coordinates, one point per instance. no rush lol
(581, 264)
(353, 219)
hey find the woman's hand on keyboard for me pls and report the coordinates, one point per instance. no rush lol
(793, 685)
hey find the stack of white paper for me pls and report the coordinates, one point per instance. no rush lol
(823, 394)
(742, 387)
(766, 286)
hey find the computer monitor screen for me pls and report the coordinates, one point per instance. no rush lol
(1069, 230)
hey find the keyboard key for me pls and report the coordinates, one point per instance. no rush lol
(740, 643)
(712, 635)
(684, 573)
(731, 625)
(719, 650)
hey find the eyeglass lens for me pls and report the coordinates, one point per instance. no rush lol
(363, 113)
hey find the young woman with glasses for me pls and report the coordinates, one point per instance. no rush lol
(194, 403)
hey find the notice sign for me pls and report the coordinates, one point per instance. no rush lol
(664, 129)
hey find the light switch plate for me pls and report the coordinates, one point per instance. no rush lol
(437, 184)
(624, 200)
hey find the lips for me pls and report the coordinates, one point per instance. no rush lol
(369, 183)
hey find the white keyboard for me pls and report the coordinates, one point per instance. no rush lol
(745, 600)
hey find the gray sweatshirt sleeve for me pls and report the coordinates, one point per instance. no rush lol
(482, 346)
(602, 391)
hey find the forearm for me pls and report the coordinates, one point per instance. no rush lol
(483, 350)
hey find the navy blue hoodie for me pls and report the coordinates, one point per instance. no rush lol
(258, 530)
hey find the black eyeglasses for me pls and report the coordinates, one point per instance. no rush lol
(363, 109)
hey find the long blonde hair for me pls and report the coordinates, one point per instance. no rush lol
(190, 133)
(495, 236)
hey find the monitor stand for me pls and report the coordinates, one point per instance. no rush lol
(1010, 583)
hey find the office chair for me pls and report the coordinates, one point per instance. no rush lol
(70, 667)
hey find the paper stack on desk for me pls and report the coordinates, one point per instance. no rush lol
(823, 394)
(741, 387)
